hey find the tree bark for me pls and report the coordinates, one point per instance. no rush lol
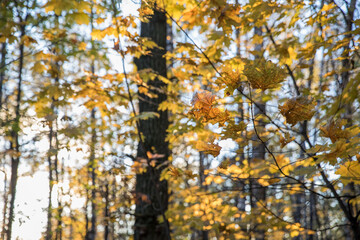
(14, 144)
(151, 193)
(5, 196)
(106, 211)
(345, 77)
(2, 71)
(91, 233)
(51, 183)
(59, 230)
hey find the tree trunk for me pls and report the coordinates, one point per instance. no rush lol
(345, 77)
(114, 200)
(203, 233)
(2, 71)
(106, 211)
(86, 210)
(14, 144)
(258, 192)
(91, 234)
(51, 183)
(298, 200)
(5, 198)
(59, 230)
(151, 193)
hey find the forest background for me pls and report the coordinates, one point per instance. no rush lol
(183, 119)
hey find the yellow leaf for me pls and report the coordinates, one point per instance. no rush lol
(350, 172)
(97, 34)
(208, 180)
(327, 7)
(39, 67)
(81, 18)
(84, 6)
(82, 46)
(218, 180)
(263, 182)
(294, 233)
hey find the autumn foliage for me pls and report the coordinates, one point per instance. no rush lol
(261, 99)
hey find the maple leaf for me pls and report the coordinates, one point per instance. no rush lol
(208, 148)
(203, 101)
(232, 78)
(334, 131)
(298, 109)
(213, 113)
(233, 130)
(337, 150)
(218, 117)
(262, 74)
(350, 172)
(203, 108)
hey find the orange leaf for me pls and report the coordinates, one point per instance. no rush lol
(208, 148)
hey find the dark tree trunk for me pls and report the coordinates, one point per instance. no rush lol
(204, 234)
(54, 104)
(106, 211)
(51, 183)
(14, 144)
(91, 233)
(312, 212)
(5, 196)
(113, 200)
(86, 210)
(151, 193)
(345, 77)
(93, 178)
(2, 71)
(59, 230)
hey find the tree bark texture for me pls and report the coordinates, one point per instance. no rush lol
(151, 193)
